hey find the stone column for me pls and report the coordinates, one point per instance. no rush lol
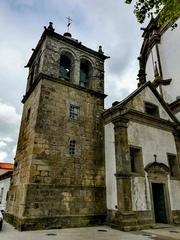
(76, 71)
(123, 172)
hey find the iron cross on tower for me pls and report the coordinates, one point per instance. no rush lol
(69, 23)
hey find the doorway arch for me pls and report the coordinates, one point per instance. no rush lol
(159, 192)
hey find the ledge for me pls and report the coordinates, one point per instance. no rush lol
(123, 174)
(60, 81)
(54, 222)
(146, 119)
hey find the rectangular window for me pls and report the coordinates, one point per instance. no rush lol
(151, 109)
(74, 111)
(72, 147)
(28, 114)
(136, 160)
(173, 165)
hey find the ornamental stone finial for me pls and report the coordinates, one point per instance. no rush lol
(50, 27)
(100, 50)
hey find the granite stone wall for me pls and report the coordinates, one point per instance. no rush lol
(52, 188)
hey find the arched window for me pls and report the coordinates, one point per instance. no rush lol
(85, 73)
(37, 64)
(31, 76)
(65, 66)
(72, 147)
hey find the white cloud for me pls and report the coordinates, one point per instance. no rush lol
(9, 124)
(7, 139)
(107, 23)
(2, 144)
(12, 57)
(14, 151)
(8, 114)
(3, 156)
(28, 3)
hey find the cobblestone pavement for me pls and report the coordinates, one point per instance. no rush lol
(90, 233)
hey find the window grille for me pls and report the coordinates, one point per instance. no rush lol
(72, 147)
(74, 112)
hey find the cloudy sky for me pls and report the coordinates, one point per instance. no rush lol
(109, 23)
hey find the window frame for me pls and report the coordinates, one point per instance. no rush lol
(138, 166)
(31, 75)
(88, 64)
(72, 147)
(1, 195)
(151, 105)
(173, 170)
(28, 115)
(72, 114)
(70, 57)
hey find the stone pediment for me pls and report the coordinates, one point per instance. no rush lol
(157, 168)
(137, 102)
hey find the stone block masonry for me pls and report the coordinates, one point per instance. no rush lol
(53, 187)
(59, 186)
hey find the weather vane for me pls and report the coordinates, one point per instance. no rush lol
(69, 23)
(155, 157)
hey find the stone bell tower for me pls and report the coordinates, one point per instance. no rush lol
(59, 176)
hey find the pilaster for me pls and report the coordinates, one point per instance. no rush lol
(123, 173)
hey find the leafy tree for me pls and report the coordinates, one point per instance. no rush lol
(168, 10)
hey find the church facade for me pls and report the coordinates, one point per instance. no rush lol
(142, 151)
(142, 168)
(80, 165)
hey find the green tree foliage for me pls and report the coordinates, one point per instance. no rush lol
(168, 10)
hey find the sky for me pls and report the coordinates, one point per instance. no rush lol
(109, 23)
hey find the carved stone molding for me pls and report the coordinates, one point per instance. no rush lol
(157, 168)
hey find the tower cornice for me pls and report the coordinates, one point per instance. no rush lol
(60, 81)
(68, 40)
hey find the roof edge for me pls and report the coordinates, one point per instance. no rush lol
(77, 44)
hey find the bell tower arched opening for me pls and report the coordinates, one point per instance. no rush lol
(66, 68)
(85, 73)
